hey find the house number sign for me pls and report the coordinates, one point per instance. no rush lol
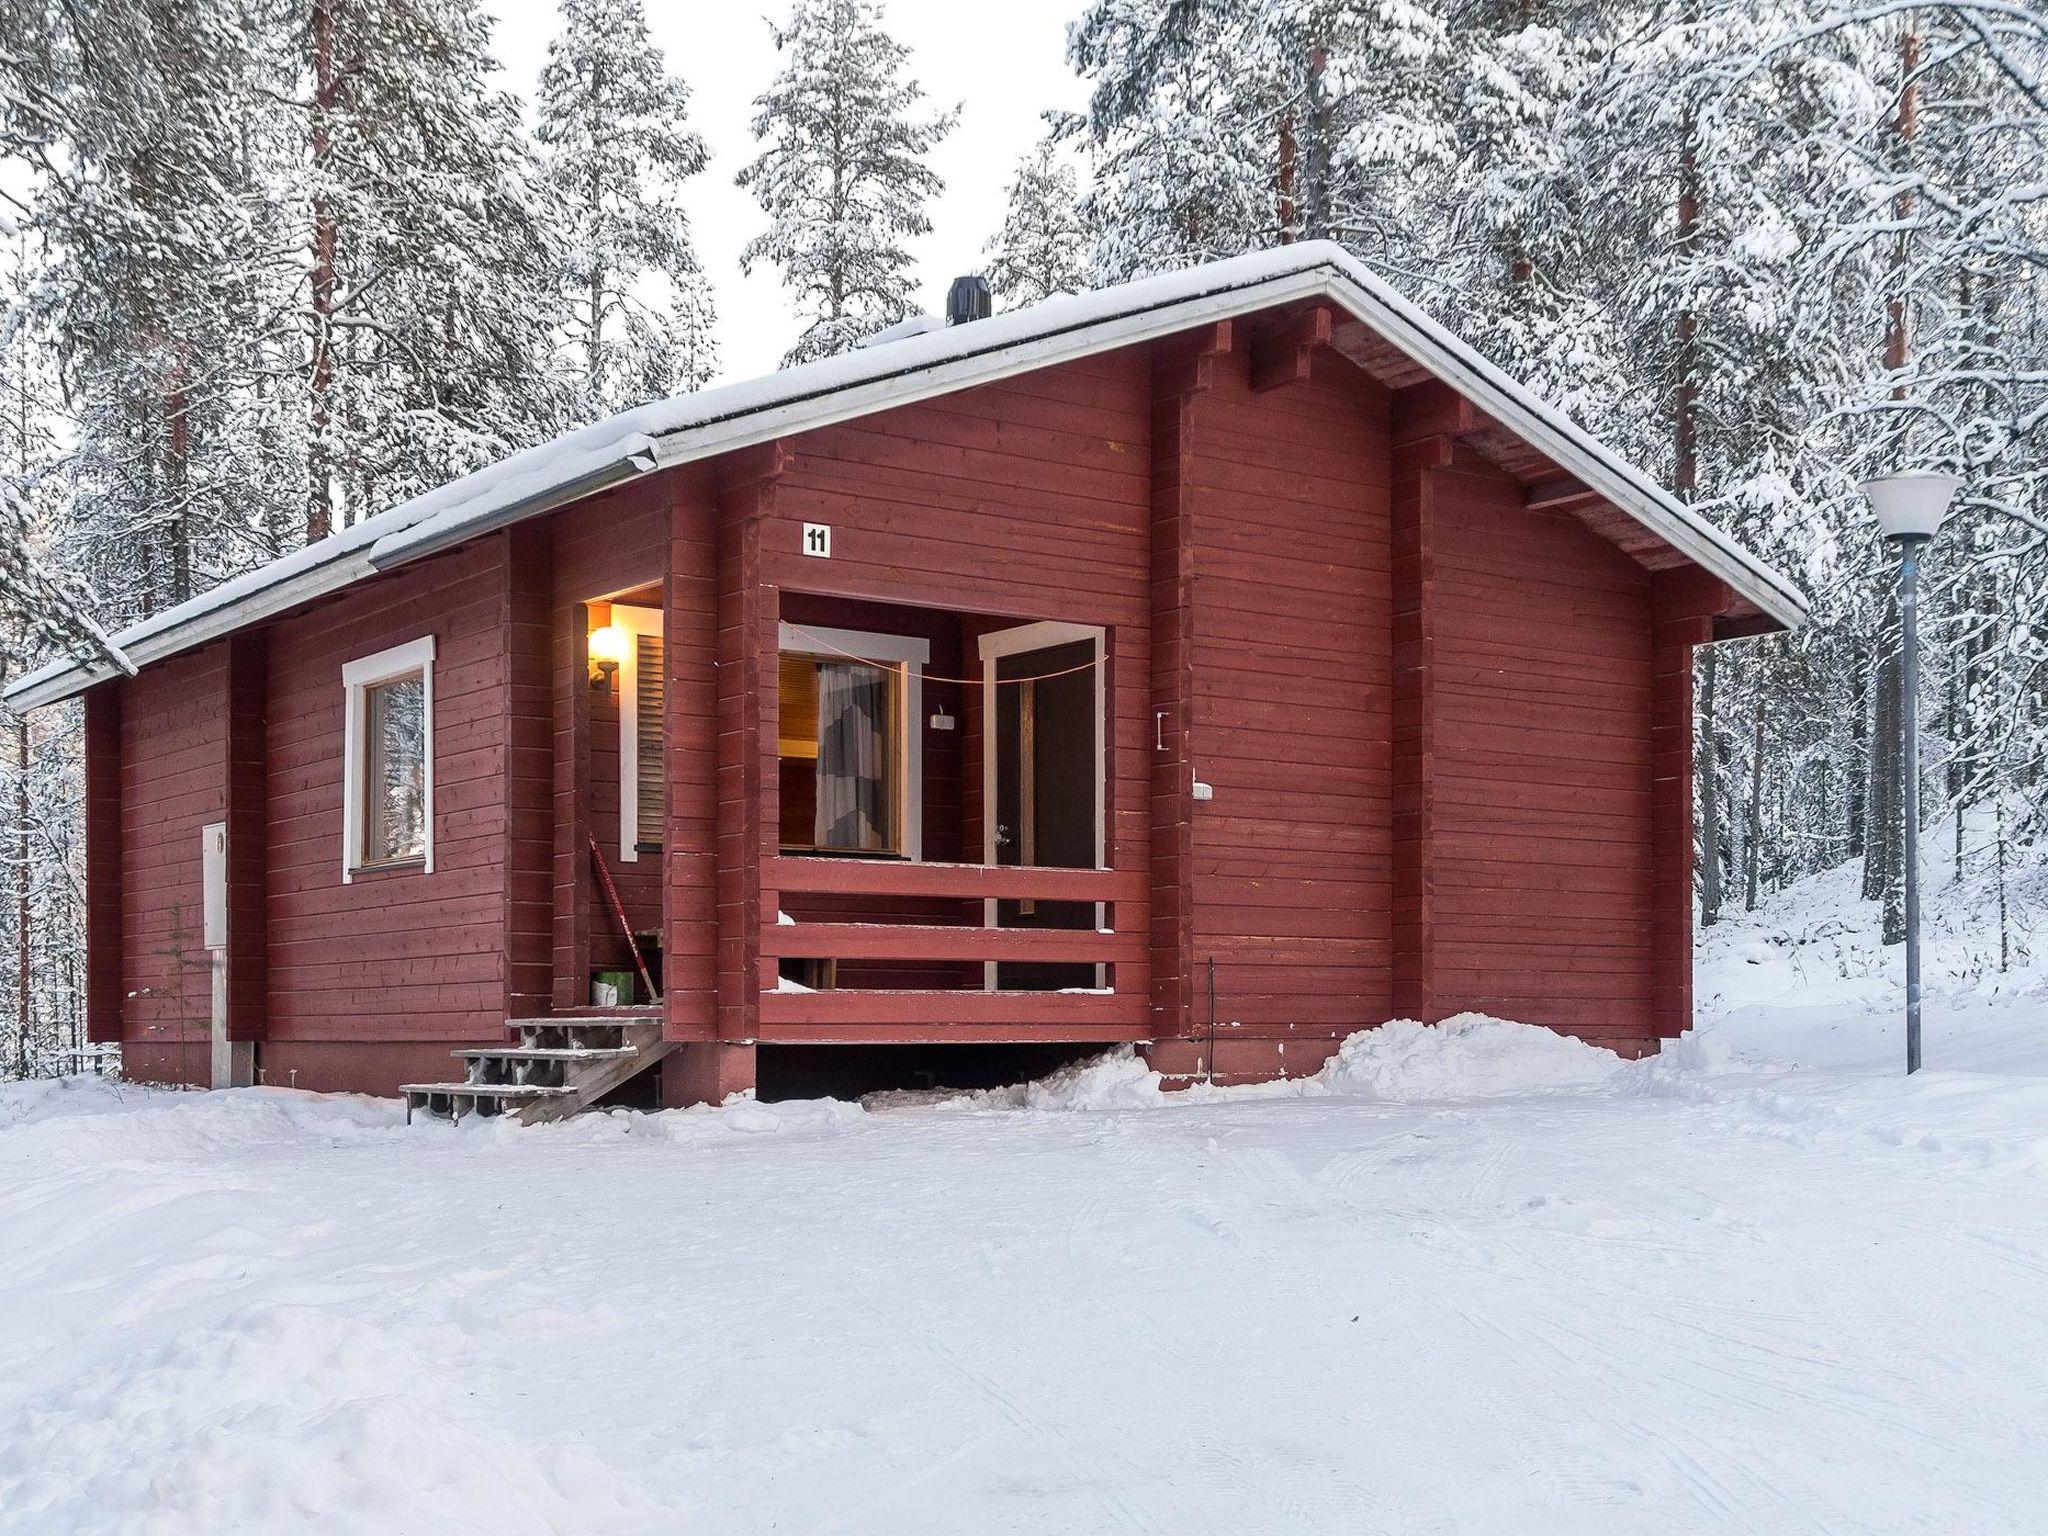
(818, 540)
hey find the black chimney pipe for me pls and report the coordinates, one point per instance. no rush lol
(968, 299)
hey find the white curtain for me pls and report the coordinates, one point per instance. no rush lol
(853, 757)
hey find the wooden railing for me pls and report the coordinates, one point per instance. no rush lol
(1116, 1012)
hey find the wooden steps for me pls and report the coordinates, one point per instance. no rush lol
(556, 1067)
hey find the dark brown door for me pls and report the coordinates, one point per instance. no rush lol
(1045, 792)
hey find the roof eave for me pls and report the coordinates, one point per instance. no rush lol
(1327, 273)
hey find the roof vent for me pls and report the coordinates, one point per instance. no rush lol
(968, 299)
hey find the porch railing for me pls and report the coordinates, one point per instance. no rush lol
(1118, 1011)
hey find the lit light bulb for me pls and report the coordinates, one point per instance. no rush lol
(608, 645)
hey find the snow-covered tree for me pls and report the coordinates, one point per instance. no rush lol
(1042, 247)
(1223, 125)
(429, 302)
(129, 123)
(841, 173)
(617, 149)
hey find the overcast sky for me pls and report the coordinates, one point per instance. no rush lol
(1004, 63)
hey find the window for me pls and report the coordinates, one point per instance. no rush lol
(847, 706)
(388, 734)
(643, 779)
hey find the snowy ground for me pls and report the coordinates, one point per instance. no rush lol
(1482, 1280)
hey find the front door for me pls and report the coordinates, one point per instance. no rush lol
(230, 1062)
(1042, 689)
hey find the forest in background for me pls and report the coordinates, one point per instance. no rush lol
(269, 266)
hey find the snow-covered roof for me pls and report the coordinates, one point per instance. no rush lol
(715, 421)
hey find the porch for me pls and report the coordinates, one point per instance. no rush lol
(910, 841)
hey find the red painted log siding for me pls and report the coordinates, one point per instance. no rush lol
(1291, 627)
(173, 782)
(612, 543)
(401, 956)
(1024, 500)
(1540, 863)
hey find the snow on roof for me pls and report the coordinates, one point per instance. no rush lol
(714, 421)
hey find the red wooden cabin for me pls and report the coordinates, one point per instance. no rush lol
(1223, 663)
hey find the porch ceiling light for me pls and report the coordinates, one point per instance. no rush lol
(607, 650)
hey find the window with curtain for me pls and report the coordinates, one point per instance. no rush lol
(840, 750)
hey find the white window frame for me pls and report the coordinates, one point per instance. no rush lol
(357, 678)
(913, 655)
(635, 621)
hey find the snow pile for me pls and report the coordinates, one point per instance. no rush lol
(92, 1119)
(1466, 1057)
(1469, 1056)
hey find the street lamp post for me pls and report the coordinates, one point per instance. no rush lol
(1910, 508)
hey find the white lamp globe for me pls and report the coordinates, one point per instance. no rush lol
(1911, 505)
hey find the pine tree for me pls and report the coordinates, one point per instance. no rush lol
(130, 115)
(1041, 248)
(841, 174)
(616, 152)
(429, 309)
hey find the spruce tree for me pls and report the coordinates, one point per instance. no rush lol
(1042, 247)
(841, 173)
(616, 151)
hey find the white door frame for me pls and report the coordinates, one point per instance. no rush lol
(636, 620)
(995, 645)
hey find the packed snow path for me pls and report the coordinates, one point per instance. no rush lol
(1623, 1300)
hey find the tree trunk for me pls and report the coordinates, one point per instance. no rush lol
(1285, 211)
(1710, 791)
(1904, 125)
(22, 1012)
(1685, 357)
(1857, 777)
(1753, 820)
(319, 465)
(178, 484)
(1883, 843)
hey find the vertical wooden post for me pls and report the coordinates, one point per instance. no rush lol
(1414, 725)
(748, 615)
(1682, 608)
(571, 652)
(527, 624)
(248, 823)
(690, 622)
(1181, 374)
(105, 973)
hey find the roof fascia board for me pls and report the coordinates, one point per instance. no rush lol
(65, 679)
